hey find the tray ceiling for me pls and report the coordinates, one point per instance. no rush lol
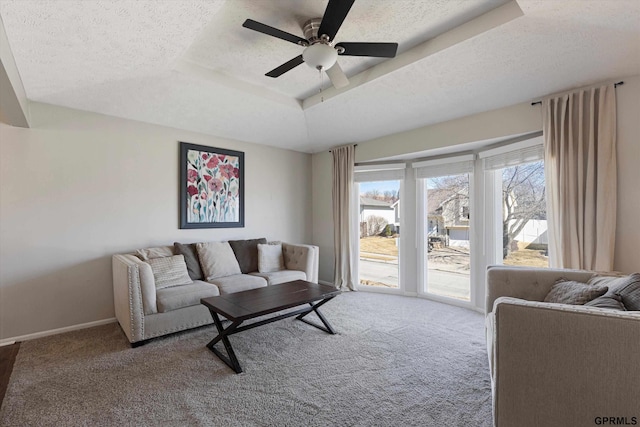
(191, 65)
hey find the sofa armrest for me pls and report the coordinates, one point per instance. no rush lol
(527, 283)
(302, 258)
(134, 294)
(557, 364)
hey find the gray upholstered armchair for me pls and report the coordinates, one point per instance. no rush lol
(558, 364)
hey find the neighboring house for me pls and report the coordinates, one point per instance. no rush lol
(369, 207)
(396, 213)
(378, 208)
(448, 217)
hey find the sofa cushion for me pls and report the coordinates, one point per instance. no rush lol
(169, 299)
(190, 258)
(628, 287)
(277, 277)
(613, 302)
(247, 253)
(217, 260)
(169, 271)
(572, 292)
(238, 282)
(270, 258)
(151, 253)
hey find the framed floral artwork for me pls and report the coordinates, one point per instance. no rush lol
(211, 187)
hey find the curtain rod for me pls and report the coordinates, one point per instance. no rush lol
(615, 85)
(355, 145)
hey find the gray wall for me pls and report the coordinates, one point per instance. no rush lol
(513, 120)
(79, 187)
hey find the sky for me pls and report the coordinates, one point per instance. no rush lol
(381, 186)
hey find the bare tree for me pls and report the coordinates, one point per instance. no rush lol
(391, 196)
(375, 225)
(373, 194)
(523, 199)
(452, 184)
(523, 196)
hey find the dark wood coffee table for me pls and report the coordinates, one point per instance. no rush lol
(241, 306)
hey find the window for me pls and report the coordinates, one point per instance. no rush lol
(518, 170)
(379, 225)
(433, 232)
(379, 233)
(524, 215)
(445, 193)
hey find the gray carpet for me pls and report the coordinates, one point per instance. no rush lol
(396, 361)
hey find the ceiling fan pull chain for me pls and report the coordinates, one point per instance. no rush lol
(321, 83)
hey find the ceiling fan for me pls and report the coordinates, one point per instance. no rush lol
(321, 52)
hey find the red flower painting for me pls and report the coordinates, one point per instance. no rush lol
(213, 186)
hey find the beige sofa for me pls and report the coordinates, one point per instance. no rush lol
(558, 364)
(145, 312)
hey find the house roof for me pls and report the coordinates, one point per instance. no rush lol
(195, 67)
(367, 201)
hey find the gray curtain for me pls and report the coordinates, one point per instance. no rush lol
(343, 162)
(580, 170)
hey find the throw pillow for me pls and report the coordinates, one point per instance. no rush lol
(627, 287)
(217, 260)
(270, 258)
(576, 293)
(247, 253)
(191, 258)
(611, 302)
(169, 271)
(150, 253)
(612, 282)
(630, 293)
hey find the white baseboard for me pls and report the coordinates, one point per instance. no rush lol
(322, 282)
(12, 340)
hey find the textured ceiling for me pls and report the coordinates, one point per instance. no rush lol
(190, 64)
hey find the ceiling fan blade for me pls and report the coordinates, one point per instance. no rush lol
(287, 66)
(379, 50)
(337, 76)
(334, 16)
(274, 32)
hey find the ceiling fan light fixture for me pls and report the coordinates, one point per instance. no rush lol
(320, 56)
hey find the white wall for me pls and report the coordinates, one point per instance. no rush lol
(322, 213)
(627, 255)
(514, 120)
(79, 187)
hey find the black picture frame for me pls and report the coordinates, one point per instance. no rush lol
(211, 187)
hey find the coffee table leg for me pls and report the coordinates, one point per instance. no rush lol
(230, 359)
(315, 308)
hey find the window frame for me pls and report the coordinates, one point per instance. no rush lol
(385, 173)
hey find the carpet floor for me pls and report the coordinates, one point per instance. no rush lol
(395, 361)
